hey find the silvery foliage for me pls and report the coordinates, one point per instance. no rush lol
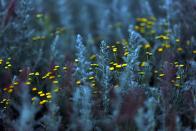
(27, 112)
(106, 74)
(83, 64)
(82, 109)
(145, 117)
(52, 119)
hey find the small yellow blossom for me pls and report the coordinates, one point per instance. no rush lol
(161, 75)
(55, 82)
(146, 46)
(160, 50)
(78, 82)
(91, 78)
(34, 89)
(111, 68)
(194, 51)
(124, 65)
(43, 102)
(179, 49)
(114, 50)
(36, 73)
(27, 83)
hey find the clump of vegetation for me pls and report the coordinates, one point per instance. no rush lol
(97, 65)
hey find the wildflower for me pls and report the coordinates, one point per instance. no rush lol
(64, 68)
(31, 74)
(148, 53)
(91, 78)
(16, 83)
(42, 94)
(93, 57)
(95, 65)
(136, 27)
(27, 83)
(124, 65)
(143, 64)
(10, 90)
(36, 73)
(114, 50)
(181, 65)
(1, 61)
(55, 82)
(160, 50)
(126, 53)
(56, 89)
(179, 49)
(48, 93)
(162, 37)
(76, 60)
(49, 96)
(146, 46)
(166, 45)
(118, 66)
(43, 102)
(194, 51)
(111, 68)
(177, 84)
(93, 84)
(34, 89)
(39, 15)
(33, 98)
(177, 40)
(141, 72)
(178, 77)
(78, 82)
(161, 75)
(51, 77)
(142, 20)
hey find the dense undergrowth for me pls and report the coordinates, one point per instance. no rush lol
(121, 65)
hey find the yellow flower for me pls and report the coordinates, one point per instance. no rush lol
(178, 77)
(160, 50)
(143, 64)
(64, 68)
(146, 46)
(78, 82)
(126, 53)
(43, 102)
(34, 89)
(33, 98)
(114, 50)
(55, 82)
(42, 94)
(141, 72)
(51, 77)
(124, 65)
(16, 83)
(162, 37)
(27, 83)
(56, 89)
(36, 73)
(111, 68)
(91, 78)
(161, 75)
(179, 49)
(10, 90)
(49, 96)
(118, 66)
